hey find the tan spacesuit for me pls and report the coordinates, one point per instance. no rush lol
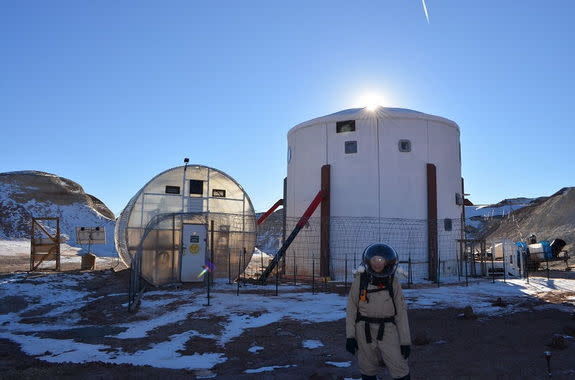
(376, 322)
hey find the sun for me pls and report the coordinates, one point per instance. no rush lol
(371, 101)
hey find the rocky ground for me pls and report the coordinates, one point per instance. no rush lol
(446, 345)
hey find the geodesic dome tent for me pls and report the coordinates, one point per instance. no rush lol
(183, 219)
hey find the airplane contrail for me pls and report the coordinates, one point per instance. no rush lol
(425, 10)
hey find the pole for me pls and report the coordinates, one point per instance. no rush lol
(474, 267)
(244, 250)
(229, 265)
(209, 263)
(526, 263)
(325, 223)
(277, 279)
(209, 280)
(262, 263)
(173, 246)
(493, 262)
(483, 247)
(462, 233)
(58, 239)
(239, 271)
(504, 267)
(438, 269)
(548, 357)
(466, 270)
(409, 274)
(458, 268)
(186, 160)
(345, 278)
(212, 249)
(312, 276)
(294, 269)
(184, 183)
(521, 263)
(284, 219)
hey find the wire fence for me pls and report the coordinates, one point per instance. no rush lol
(156, 251)
(349, 236)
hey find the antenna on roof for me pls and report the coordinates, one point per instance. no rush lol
(186, 161)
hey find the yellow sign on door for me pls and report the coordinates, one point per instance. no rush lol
(194, 249)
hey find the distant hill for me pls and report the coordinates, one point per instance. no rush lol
(478, 216)
(547, 217)
(27, 194)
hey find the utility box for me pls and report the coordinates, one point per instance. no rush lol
(88, 262)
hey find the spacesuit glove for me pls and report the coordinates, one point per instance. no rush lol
(351, 345)
(405, 351)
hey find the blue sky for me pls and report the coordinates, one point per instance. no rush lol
(110, 93)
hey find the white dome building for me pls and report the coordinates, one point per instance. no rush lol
(394, 174)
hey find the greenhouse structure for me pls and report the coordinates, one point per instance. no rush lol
(185, 221)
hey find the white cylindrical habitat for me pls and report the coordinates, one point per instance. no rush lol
(379, 184)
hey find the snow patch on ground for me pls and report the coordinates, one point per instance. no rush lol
(268, 369)
(235, 314)
(255, 349)
(311, 344)
(161, 355)
(481, 295)
(339, 364)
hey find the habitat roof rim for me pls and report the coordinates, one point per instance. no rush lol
(366, 113)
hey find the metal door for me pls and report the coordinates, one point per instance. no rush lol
(193, 252)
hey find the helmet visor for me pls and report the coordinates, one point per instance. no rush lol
(381, 260)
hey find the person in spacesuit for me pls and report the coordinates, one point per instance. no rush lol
(376, 321)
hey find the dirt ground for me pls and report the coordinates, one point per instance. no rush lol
(445, 345)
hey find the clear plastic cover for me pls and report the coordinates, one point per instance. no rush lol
(155, 215)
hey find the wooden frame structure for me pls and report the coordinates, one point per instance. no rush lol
(44, 248)
(473, 256)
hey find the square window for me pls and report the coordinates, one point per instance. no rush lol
(447, 224)
(196, 187)
(345, 126)
(404, 146)
(218, 193)
(172, 189)
(350, 147)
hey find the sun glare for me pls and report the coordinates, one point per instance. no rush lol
(371, 101)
